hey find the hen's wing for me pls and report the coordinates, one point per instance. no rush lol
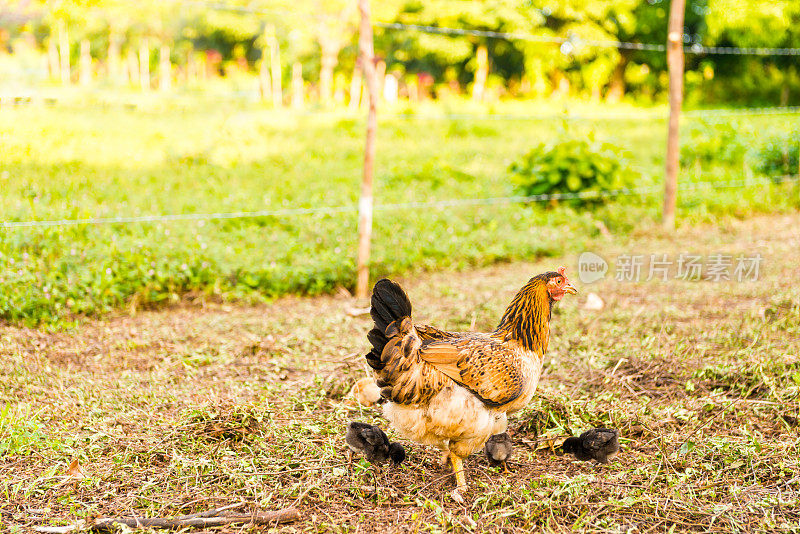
(429, 333)
(485, 366)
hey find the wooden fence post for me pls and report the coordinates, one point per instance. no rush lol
(144, 65)
(63, 53)
(380, 75)
(297, 85)
(132, 67)
(53, 58)
(355, 89)
(275, 67)
(481, 73)
(114, 57)
(366, 53)
(164, 68)
(264, 78)
(390, 88)
(85, 65)
(675, 65)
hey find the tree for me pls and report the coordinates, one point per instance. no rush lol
(767, 80)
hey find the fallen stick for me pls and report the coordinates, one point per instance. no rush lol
(264, 518)
(200, 520)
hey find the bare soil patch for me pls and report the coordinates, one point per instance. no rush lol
(182, 409)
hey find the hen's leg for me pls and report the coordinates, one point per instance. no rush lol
(445, 458)
(506, 470)
(461, 483)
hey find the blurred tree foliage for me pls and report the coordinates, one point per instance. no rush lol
(321, 35)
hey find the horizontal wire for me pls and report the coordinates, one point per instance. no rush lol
(740, 51)
(641, 191)
(777, 110)
(218, 6)
(696, 113)
(626, 45)
(33, 99)
(480, 33)
(516, 36)
(179, 217)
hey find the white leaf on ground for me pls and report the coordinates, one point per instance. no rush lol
(356, 312)
(593, 302)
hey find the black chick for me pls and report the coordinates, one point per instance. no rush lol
(498, 450)
(373, 443)
(596, 444)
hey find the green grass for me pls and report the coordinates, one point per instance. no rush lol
(108, 161)
(21, 433)
(180, 410)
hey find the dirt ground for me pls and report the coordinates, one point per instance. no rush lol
(178, 410)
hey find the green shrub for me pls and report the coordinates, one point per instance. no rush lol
(570, 166)
(712, 143)
(778, 156)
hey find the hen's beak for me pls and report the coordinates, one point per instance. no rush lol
(569, 288)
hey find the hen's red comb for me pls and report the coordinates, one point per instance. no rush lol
(562, 271)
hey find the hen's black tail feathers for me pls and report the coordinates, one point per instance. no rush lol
(389, 303)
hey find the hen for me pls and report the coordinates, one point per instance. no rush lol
(454, 390)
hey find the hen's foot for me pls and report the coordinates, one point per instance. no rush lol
(506, 470)
(461, 482)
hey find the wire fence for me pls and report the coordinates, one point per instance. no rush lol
(569, 44)
(575, 40)
(17, 100)
(695, 48)
(435, 204)
(572, 40)
(629, 116)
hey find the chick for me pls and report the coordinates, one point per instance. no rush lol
(498, 450)
(596, 444)
(373, 443)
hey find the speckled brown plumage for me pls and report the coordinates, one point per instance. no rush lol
(481, 363)
(412, 358)
(453, 390)
(527, 318)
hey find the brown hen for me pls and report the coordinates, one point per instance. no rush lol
(454, 390)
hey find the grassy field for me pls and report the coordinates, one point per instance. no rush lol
(86, 160)
(178, 410)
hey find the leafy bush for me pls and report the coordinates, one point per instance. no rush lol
(779, 155)
(573, 166)
(712, 143)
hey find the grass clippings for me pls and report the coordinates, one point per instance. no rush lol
(174, 411)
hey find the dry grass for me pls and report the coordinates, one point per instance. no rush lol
(179, 410)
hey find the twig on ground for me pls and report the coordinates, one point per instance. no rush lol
(209, 518)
